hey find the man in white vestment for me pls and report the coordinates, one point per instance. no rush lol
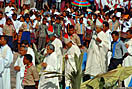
(2, 22)
(29, 49)
(58, 49)
(20, 67)
(128, 60)
(108, 33)
(9, 8)
(98, 48)
(72, 49)
(6, 58)
(49, 64)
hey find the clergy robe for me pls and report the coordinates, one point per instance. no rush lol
(110, 39)
(49, 83)
(19, 62)
(69, 63)
(7, 58)
(128, 62)
(58, 49)
(19, 74)
(96, 61)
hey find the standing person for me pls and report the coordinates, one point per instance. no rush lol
(58, 28)
(9, 30)
(119, 51)
(80, 30)
(31, 76)
(108, 33)
(42, 34)
(19, 67)
(114, 24)
(72, 49)
(26, 27)
(7, 57)
(49, 64)
(29, 49)
(58, 5)
(127, 62)
(73, 36)
(39, 4)
(98, 48)
(2, 22)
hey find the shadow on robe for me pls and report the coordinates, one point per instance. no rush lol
(49, 85)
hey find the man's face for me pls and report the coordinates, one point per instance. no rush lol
(49, 51)
(115, 38)
(129, 35)
(25, 61)
(2, 41)
(81, 21)
(1, 16)
(104, 27)
(14, 17)
(22, 51)
(114, 19)
(8, 22)
(71, 31)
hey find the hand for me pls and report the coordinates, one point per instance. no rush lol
(97, 39)
(126, 45)
(1, 25)
(66, 57)
(44, 64)
(17, 68)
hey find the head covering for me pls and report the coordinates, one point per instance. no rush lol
(97, 12)
(99, 22)
(118, 14)
(66, 39)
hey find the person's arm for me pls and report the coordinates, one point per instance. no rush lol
(124, 50)
(35, 76)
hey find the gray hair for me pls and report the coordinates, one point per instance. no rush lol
(52, 47)
(26, 48)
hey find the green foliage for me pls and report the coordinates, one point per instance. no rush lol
(76, 75)
(38, 56)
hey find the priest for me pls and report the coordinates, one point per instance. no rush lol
(6, 58)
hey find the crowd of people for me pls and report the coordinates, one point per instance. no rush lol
(102, 33)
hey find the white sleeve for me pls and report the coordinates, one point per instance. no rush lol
(8, 59)
(1, 65)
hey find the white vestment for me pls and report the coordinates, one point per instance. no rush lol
(8, 9)
(128, 61)
(109, 54)
(7, 58)
(2, 22)
(31, 52)
(69, 63)
(96, 61)
(19, 74)
(58, 49)
(19, 62)
(49, 83)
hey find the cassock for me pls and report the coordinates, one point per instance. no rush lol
(58, 49)
(128, 62)
(19, 74)
(110, 39)
(69, 63)
(45, 81)
(96, 60)
(6, 58)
